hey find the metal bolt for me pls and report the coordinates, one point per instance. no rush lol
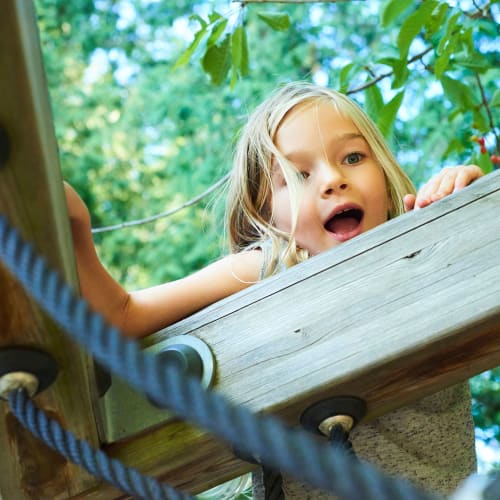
(346, 421)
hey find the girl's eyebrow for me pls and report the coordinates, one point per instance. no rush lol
(352, 135)
(295, 155)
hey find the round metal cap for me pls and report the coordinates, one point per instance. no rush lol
(351, 406)
(30, 361)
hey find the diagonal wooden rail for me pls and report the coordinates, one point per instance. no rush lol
(398, 313)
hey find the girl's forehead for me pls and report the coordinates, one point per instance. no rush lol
(307, 121)
(317, 112)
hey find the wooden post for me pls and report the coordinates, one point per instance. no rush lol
(31, 196)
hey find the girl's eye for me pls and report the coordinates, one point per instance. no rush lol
(353, 158)
(303, 174)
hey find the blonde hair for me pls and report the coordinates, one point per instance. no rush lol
(249, 216)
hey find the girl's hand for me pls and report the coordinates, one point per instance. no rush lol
(449, 180)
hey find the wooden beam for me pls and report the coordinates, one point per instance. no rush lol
(398, 313)
(31, 195)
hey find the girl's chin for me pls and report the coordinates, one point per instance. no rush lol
(327, 245)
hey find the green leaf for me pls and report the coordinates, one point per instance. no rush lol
(388, 114)
(495, 100)
(480, 122)
(239, 50)
(234, 77)
(217, 61)
(400, 69)
(393, 9)
(217, 30)
(436, 20)
(455, 114)
(458, 93)
(186, 55)
(467, 39)
(484, 163)
(442, 63)
(196, 17)
(455, 145)
(473, 61)
(412, 25)
(344, 76)
(276, 20)
(401, 74)
(373, 102)
(214, 16)
(449, 35)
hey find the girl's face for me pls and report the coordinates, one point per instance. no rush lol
(344, 191)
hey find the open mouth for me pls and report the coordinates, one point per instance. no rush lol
(345, 224)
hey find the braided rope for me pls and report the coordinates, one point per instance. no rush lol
(273, 484)
(290, 450)
(339, 439)
(273, 480)
(80, 452)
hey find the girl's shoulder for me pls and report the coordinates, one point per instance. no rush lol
(245, 266)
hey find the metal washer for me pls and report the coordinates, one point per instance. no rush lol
(207, 358)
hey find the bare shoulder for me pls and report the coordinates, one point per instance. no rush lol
(243, 267)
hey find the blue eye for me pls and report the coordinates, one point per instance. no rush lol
(353, 158)
(302, 174)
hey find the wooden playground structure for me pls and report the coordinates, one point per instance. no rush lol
(399, 313)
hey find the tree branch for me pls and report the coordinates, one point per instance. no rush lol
(486, 105)
(138, 222)
(389, 73)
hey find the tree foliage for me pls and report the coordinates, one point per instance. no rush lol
(148, 97)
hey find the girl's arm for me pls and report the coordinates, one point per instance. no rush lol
(449, 180)
(143, 312)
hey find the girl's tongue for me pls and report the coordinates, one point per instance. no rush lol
(345, 222)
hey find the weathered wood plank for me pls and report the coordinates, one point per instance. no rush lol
(31, 196)
(398, 313)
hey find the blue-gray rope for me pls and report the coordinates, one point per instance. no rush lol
(291, 450)
(81, 453)
(273, 479)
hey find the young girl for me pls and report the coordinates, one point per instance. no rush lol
(311, 171)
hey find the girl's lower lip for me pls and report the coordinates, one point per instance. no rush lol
(341, 237)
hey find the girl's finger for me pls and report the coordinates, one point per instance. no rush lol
(467, 175)
(409, 202)
(446, 184)
(424, 193)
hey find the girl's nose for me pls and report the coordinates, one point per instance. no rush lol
(332, 181)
